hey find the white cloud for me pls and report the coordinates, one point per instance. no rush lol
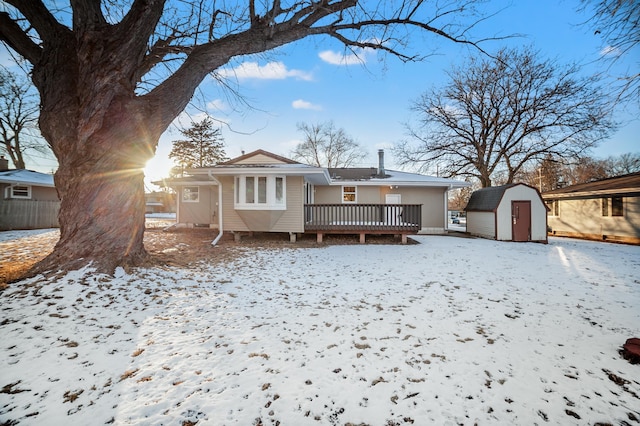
(302, 104)
(269, 71)
(610, 51)
(216, 105)
(358, 56)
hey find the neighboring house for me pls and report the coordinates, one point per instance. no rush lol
(514, 212)
(159, 202)
(264, 192)
(607, 209)
(28, 199)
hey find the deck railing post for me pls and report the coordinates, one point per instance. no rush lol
(405, 218)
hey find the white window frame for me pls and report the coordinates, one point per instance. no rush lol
(11, 192)
(270, 201)
(354, 192)
(190, 199)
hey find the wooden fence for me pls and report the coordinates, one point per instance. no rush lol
(28, 214)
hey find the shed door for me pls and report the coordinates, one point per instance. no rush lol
(521, 220)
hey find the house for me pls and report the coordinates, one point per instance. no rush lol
(607, 209)
(513, 212)
(265, 192)
(28, 199)
(158, 202)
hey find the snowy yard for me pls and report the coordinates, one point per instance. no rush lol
(449, 331)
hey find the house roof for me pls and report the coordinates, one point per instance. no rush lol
(365, 176)
(369, 177)
(259, 152)
(185, 181)
(26, 177)
(488, 199)
(620, 185)
(354, 173)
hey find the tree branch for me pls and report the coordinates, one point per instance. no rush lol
(39, 17)
(87, 15)
(17, 39)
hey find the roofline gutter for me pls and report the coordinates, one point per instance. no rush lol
(592, 194)
(220, 230)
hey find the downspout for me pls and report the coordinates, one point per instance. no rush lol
(446, 208)
(220, 230)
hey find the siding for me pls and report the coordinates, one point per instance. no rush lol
(584, 218)
(481, 224)
(231, 221)
(538, 213)
(289, 220)
(259, 159)
(202, 212)
(431, 199)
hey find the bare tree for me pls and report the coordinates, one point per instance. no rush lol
(19, 132)
(203, 146)
(584, 169)
(623, 164)
(498, 114)
(547, 175)
(112, 76)
(618, 23)
(325, 145)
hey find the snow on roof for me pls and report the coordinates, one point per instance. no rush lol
(26, 177)
(368, 176)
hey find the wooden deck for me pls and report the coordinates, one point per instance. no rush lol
(362, 219)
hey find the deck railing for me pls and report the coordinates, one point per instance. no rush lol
(403, 218)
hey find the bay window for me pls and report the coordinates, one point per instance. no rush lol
(260, 193)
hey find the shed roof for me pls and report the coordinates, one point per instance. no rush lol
(619, 185)
(487, 199)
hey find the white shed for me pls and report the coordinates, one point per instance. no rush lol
(514, 212)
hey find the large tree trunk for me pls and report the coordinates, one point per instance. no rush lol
(101, 187)
(102, 135)
(108, 230)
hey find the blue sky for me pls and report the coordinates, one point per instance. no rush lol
(309, 81)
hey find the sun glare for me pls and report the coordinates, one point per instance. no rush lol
(157, 168)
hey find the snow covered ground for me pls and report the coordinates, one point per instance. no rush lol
(449, 331)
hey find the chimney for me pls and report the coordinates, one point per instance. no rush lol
(4, 164)
(381, 173)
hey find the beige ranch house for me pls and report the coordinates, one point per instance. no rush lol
(28, 199)
(265, 192)
(607, 210)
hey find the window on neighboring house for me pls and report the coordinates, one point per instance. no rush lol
(605, 207)
(617, 206)
(19, 191)
(349, 194)
(260, 192)
(553, 207)
(191, 194)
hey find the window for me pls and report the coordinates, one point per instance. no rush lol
(19, 191)
(349, 194)
(553, 208)
(280, 190)
(617, 206)
(191, 194)
(260, 193)
(605, 207)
